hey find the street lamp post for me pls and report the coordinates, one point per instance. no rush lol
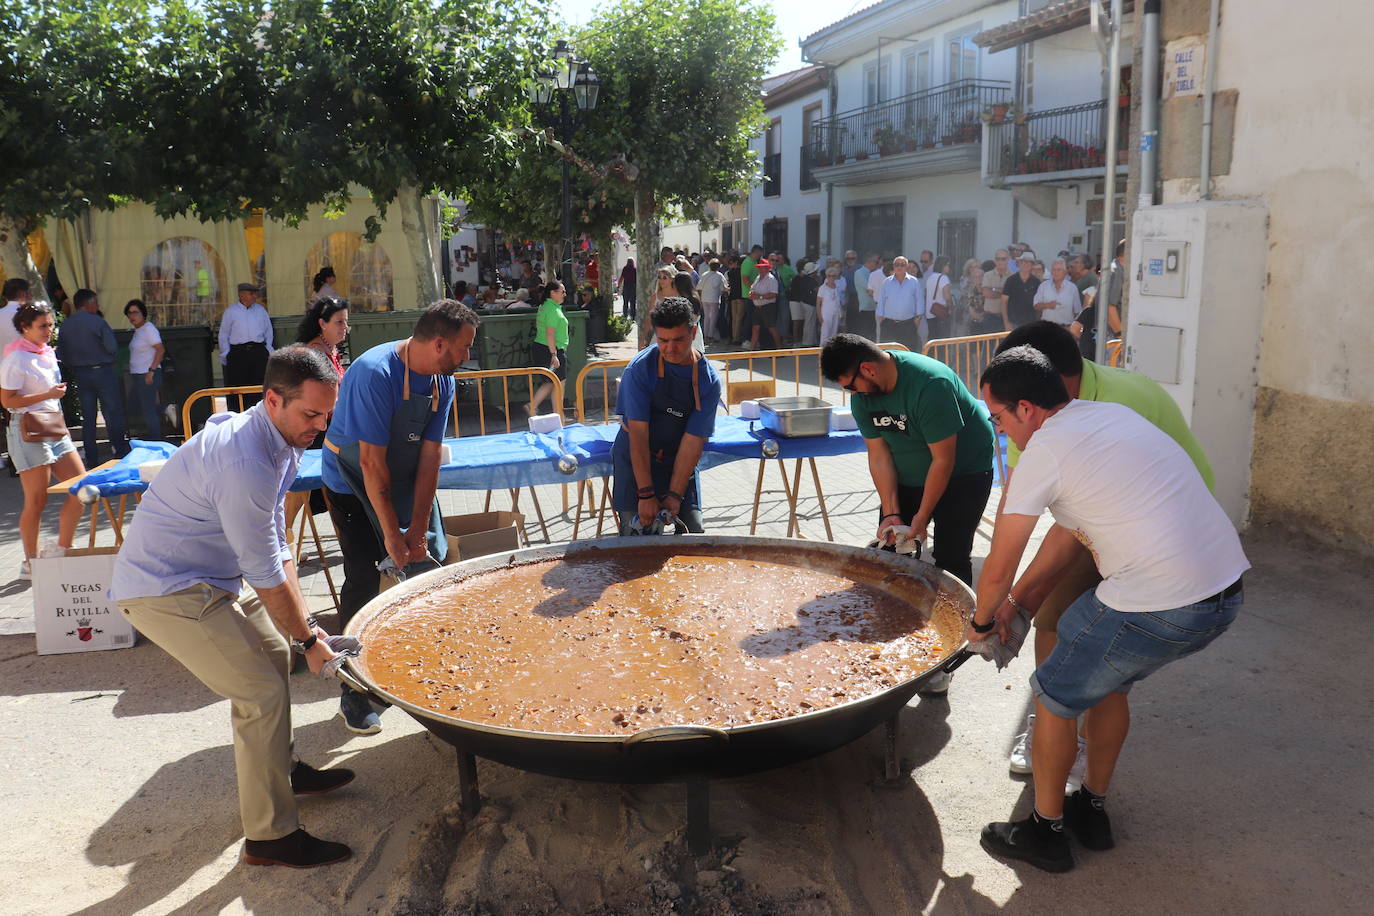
(568, 74)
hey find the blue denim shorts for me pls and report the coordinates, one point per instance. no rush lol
(1102, 651)
(25, 456)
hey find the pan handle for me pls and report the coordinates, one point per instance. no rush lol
(677, 731)
(351, 682)
(955, 660)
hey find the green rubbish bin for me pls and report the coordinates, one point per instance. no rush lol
(503, 342)
(368, 329)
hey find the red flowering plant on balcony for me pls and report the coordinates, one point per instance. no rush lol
(1059, 155)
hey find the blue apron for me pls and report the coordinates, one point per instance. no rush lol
(671, 403)
(402, 461)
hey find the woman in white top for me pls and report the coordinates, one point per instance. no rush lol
(324, 285)
(939, 305)
(829, 304)
(30, 382)
(711, 287)
(145, 366)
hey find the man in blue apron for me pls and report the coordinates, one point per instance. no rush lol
(381, 463)
(667, 400)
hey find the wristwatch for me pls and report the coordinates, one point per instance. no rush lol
(305, 645)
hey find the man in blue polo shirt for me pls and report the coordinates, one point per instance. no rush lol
(667, 400)
(381, 463)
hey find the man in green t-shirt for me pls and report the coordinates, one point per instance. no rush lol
(1087, 381)
(929, 443)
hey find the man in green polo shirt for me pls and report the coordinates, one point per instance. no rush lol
(1087, 381)
(929, 443)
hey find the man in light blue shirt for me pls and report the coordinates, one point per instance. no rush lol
(211, 520)
(901, 301)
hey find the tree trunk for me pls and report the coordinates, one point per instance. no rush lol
(415, 223)
(14, 256)
(605, 263)
(648, 234)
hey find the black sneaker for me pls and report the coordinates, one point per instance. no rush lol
(358, 715)
(1040, 843)
(306, 780)
(1086, 818)
(295, 850)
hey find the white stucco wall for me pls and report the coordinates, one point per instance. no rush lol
(926, 201)
(850, 73)
(1048, 236)
(792, 204)
(1067, 68)
(1301, 144)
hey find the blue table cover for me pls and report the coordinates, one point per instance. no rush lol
(122, 477)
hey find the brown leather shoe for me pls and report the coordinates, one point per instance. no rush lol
(295, 850)
(306, 780)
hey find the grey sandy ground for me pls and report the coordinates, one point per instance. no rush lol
(1244, 788)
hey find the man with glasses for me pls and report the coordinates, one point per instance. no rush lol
(929, 445)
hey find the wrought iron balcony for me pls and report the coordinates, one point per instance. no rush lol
(928, 132)
(1058, 140)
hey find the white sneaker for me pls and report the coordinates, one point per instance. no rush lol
(1020, 762)
(52, 549)
(1080, 766)
(25, 570)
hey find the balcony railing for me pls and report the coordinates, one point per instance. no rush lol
(806, 181)
(942, 116)
(1055, 140)
(772, 175)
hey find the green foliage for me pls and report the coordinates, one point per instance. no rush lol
(683, 102)
(619, 326)
(208, 107)
(70, 134)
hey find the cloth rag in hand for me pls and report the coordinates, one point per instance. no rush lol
(899, 538)
(658, 525)
(344, 648)
(1001, 653)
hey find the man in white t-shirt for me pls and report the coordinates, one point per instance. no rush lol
(1057, 299)
(1171, 565)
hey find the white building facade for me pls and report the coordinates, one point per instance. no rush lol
(787, 210)
(914, 148)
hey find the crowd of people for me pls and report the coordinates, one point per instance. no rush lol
(758, 298)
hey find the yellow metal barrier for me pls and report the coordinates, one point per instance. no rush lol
(967, 356)
(480, 376)
(732, 362)
(1115, 351)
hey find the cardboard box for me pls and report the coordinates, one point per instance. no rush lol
(481, 533)
(72, 608)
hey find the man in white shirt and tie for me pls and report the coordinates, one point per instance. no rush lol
(245, 342)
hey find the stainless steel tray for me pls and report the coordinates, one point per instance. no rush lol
(794, 417)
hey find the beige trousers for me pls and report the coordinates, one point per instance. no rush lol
(231, 644)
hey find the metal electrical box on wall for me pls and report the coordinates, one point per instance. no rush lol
(1193, 324)
(1163, 268)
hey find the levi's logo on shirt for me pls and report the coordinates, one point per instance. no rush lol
(884, 420)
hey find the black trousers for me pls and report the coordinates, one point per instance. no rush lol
(246, 364)
(362, 550)
(954, 521)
